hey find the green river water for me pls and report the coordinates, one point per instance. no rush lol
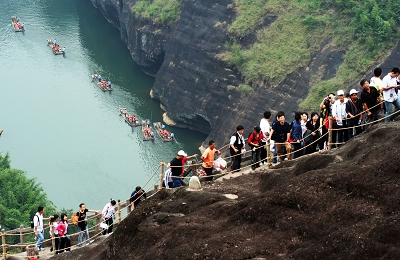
(58, 126)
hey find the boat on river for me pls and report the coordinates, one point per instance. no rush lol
(102, 84)
(147, 132)
(163, 133)
(1, 131)
(17, 25)
(132, 120)
(57, 50)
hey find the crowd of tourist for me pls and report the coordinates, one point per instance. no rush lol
(58, 227)
(350, 114)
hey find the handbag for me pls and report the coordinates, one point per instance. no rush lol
(103, 225)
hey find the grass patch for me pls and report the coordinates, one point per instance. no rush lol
(158, 11)
(364, 30)
(245, 88)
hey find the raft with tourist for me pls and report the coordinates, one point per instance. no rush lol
(147, 132)
(101, 83)
(55, 47)
(163, 133)
(132, 120)
(17, 25)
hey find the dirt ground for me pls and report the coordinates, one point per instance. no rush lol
(342, 204)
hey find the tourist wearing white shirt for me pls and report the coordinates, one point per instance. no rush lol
(340, 115)
(108, 212)
(265, 129)
(389, 86)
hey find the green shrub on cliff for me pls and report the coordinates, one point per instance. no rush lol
(159, 11)
(364, 30)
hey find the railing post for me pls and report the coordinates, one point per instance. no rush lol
(330, 133)
(128, 209)
(119, 211)
(21, 234)
(98, 217)
(3, 243)
(269, 153)
(53, 239)
(161, 175)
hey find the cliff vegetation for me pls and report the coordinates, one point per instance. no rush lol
(162, 11)
(365, 31)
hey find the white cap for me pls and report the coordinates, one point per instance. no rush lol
(340, 92)
(353, 91)
(181, 152)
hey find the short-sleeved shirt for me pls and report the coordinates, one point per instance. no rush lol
(176, 167)
(377, 83)
(265, 128)
(371, 98)
(389, 95)
(281, 131)
(184, 159)
(255, 139)
(108, 211)
(136, 197)
(38, 222)
(208, 156)
(82, 218)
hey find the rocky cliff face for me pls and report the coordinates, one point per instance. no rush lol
(195, 87)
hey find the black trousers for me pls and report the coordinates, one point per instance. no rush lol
(263, 151)
(109, 222)
(65, 244)
(208, 172)
(237, 159)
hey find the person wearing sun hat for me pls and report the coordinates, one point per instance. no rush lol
(176, 168)
(354, 109)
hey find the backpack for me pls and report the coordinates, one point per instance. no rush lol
(75, 219)
(32, 221)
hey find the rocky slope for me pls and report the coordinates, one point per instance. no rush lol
(341, 204)
(193, 84)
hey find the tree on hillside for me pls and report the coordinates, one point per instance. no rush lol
(19, 196)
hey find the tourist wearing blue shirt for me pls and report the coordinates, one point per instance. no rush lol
(296, 135)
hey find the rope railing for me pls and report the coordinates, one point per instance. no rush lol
(28, 231)
(127, 205)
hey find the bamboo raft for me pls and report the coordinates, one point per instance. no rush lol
(130, 119)
(163, 133)
(16, 25)
(55, 47)
(1, 131)
(102, 84)
(146, 131)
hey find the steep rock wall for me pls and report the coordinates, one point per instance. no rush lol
(194, 86)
